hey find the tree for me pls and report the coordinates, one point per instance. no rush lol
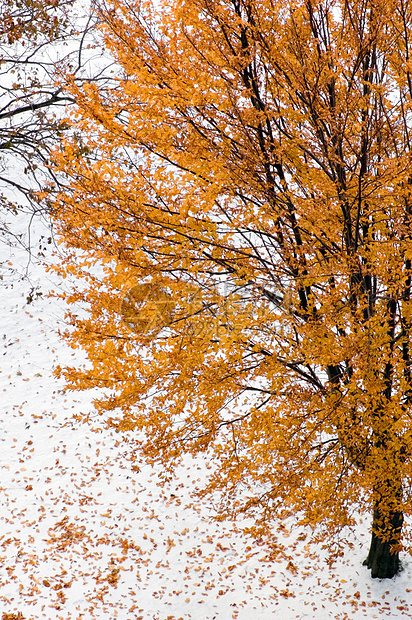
(246, 186)
(38, 42)
(27, 85)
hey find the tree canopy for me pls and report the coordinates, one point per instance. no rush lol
(246, 185)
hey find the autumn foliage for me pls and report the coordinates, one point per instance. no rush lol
(40, 40)
(239, 210)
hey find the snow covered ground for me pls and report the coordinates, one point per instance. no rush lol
(82, 535)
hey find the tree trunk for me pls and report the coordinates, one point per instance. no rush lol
(383, 556)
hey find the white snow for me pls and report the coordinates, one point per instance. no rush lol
(83, 536)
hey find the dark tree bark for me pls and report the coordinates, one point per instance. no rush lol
(383, 556)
